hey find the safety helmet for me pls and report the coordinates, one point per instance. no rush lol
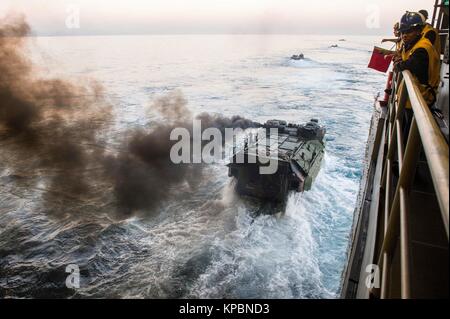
(424, 13)
(410, 20)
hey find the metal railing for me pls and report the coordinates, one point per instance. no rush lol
(424, 133)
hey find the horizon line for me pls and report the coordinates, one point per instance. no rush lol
(34, 34)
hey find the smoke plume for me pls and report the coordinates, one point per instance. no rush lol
(53, 130)
(49, 124)
(144, 175)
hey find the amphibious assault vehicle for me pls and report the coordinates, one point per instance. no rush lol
(296, 151)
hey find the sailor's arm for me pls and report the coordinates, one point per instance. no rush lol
(417, 64)
(395, 40)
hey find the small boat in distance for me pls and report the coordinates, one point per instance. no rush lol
(298, 57)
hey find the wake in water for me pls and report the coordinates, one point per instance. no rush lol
(304, 63)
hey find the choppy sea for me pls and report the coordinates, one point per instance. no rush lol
(207, 243)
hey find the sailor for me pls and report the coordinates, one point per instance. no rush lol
(418, 56)
(430, 32)
(421, 59)
(397, 40)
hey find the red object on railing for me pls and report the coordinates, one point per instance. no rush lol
(380, 60)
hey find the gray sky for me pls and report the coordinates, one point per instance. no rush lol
(91, 17)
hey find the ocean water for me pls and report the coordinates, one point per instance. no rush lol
(206, 243)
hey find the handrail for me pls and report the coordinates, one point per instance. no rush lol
(423, 133)
(434, 145)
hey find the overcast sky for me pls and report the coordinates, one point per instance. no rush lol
(60, 17)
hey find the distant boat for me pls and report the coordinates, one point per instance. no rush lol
(333, 46)
(298, 57)
(342, 40)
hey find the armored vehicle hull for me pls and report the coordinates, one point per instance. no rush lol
(296, 152)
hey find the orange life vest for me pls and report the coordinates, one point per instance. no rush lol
(428, 90)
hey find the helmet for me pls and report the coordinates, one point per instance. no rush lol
(424, 13)
(410, 20)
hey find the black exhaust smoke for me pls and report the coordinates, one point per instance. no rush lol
(47, 124)
(53, 129)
